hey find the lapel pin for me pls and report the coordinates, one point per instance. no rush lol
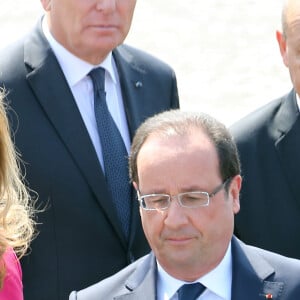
(269, 296)
(138, 84)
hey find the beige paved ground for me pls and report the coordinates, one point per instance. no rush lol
(224, 52)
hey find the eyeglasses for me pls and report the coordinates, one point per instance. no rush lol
(189, 199)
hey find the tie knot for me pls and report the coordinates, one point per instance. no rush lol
(98, 78)
(190, 291)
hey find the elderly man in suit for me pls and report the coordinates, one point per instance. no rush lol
(55, 77)
(269, 146)
(185, 169)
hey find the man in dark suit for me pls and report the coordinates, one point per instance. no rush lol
(269, 146)
(46, 76)
(185, 169)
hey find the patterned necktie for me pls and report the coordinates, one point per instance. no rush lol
(113, 150)
(190, 291)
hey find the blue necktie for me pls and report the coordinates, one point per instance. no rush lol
(113, 150)
(190, 291)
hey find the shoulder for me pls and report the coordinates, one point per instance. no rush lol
(141, 59)
(13, 68)
(13, 57)
(258, 118)
(279, 261)
(257, 123)
(12, 285)
(15, 51)
(285, 268)
(118, 284)
(273, 271)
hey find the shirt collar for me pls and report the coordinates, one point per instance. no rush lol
(222, 274)
(298, 101)
(74, 68)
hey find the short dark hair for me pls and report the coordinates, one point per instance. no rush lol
(177, 122)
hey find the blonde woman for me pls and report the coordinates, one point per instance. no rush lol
(16, 225)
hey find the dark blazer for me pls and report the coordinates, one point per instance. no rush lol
(255, 273)
(268, 141)
(80, 240)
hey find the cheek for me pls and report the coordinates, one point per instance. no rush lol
(294, 69)
(218, 218)
(126, 14)
(152, 223)
(146, 221)
(292, 60)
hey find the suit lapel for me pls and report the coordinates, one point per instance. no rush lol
(250, 274)
(142, 283)
(131, 79)
(286, 131)
(45, 78)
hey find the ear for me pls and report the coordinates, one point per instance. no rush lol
(234, 193)
(46, 5)
(282, 47)
(135, 185)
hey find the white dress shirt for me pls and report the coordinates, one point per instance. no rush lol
(298, 101)
(217, 282)
(76, 73)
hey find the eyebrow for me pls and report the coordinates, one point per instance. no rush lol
(181, 190)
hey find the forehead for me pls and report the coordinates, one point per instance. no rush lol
(292, 14)
(191, 139)
(178, 154)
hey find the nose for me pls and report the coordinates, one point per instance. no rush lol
(106, 6)
(176, 215)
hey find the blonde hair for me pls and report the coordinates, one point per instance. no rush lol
(16, 210)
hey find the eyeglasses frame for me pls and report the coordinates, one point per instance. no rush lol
(209, 196)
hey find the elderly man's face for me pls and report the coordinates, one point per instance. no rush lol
(188, 242)
(89, 29)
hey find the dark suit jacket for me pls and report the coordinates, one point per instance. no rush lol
(255, 273)
(80, 240)
(268, 141)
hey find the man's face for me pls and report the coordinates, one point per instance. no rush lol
(89, 29)
(290, 48)
(188, 242)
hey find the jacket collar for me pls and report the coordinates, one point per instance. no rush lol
(251, 276)
(286, 132)
(142, 282)
(286, 116)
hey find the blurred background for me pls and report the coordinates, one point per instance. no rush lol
(224, 53)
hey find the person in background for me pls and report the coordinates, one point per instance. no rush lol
(16, 215)
(269, 146)
(78, 94)
(185, 169)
